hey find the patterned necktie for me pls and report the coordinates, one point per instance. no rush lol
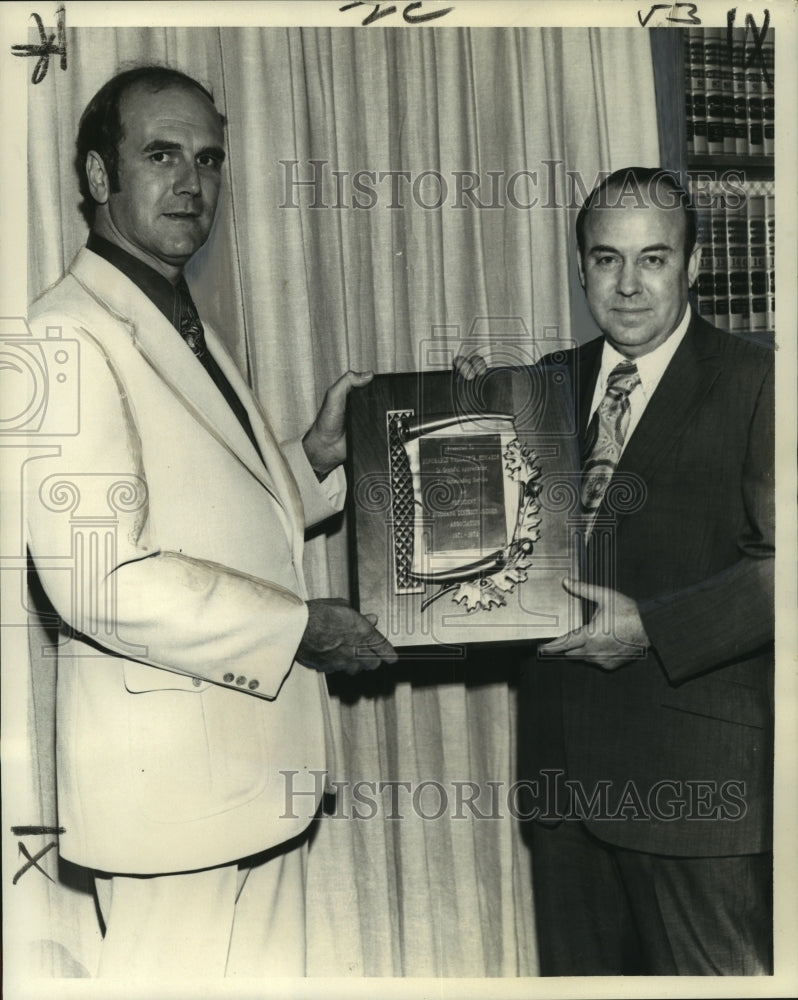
(190, 324)
(606, 435)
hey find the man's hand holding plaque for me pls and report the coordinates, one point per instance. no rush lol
(339, 638)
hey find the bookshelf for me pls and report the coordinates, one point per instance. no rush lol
(717, 130)
(729, 131)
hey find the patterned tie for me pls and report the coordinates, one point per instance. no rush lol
(606, 435)
(190, 324)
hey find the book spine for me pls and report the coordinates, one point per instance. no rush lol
(768, 94)
(697, 86)
(713, 70)
(740, 106)
(727, 89)
(757, 264)
(704, 287)
(739, 284)
(720, 262)
(770, 228)
(689, 113)
(753, 96)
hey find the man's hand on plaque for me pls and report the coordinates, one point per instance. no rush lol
(325, 441)
(614, 636)
(339, 638)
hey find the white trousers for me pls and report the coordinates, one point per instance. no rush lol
(246, 921)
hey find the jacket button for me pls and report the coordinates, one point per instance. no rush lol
(196, 681)
(253, 685)
(228, 678)
(241, 681)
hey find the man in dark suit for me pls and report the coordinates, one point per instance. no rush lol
(651, 725)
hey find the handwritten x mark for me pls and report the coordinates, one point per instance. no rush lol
(33, 861)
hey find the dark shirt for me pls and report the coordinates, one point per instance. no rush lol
(164, 295)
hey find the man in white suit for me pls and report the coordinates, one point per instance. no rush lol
(190, 671)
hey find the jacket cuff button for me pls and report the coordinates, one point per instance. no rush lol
(253, 685)
(228, 678)
(240, 681)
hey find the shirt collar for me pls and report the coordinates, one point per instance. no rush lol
(650, 367)
(158, 289)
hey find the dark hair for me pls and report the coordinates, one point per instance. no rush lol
(101, 128)
(638, 182)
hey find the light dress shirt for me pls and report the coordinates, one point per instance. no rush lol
(651, 367)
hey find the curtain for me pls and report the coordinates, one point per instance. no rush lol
(304, 283)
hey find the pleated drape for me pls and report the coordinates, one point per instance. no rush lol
(303, 292)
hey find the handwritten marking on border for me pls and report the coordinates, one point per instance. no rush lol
(759, 38)
(33, 861)
(690, 15)
(36, 831)
(409, 13)
(46, 46)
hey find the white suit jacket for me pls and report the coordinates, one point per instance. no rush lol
(174, 558)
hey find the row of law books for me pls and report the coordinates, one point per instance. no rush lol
(729, 90)
(736, 287)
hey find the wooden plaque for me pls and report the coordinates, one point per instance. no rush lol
(463, 506)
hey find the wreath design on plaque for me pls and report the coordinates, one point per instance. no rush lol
(485, 590)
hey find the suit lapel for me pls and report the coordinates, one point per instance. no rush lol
(586, 374)
(261, 426)
(669, 414)
(172, 361)
(670, 411)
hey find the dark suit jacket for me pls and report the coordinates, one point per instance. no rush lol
(678, 743)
